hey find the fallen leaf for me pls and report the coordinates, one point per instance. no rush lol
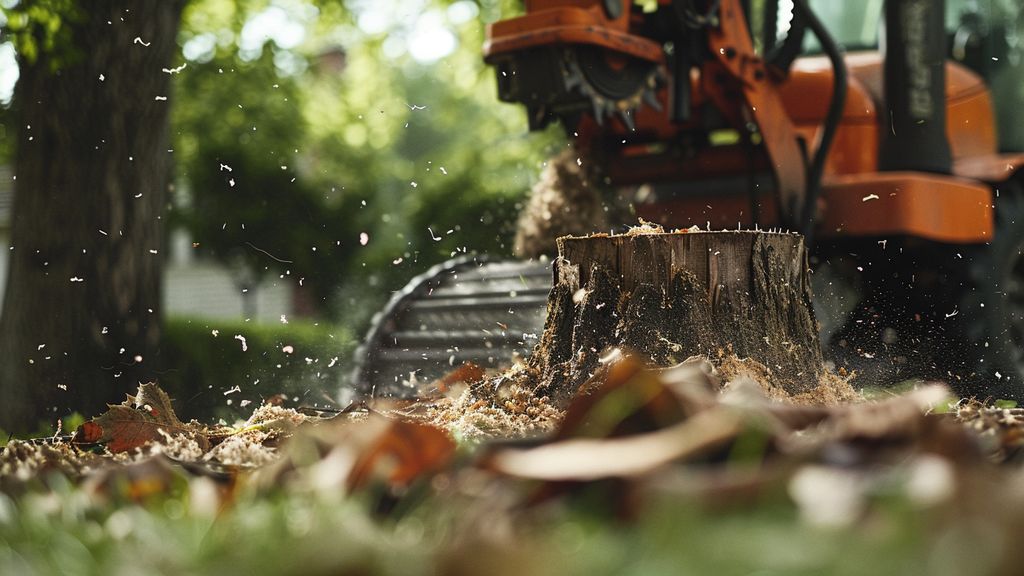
(624, 398)
(138, 482)
(583, 459)
(141, 419)
(156, 403)
(468, 372)
(402, 453)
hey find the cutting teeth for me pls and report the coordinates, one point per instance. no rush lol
(651, 100)
(627, 118)
(598, 110)
(601, 106)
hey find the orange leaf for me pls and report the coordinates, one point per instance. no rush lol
(403, 452)
(467, 372)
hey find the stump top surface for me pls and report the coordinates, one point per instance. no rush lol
(716, 258)
(654, 232)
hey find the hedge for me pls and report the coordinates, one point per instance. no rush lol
(225, 368)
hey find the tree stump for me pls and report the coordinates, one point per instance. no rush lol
(669, 296)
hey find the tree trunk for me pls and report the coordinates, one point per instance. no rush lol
(669, 296)
(82, 309)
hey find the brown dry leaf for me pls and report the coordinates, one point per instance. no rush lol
(156, 403)
(141, 419)
(402, 453)
(896, 418)
(627, 421)
(353, 451)
(624, 398)
(584, 459)
(468, 373)
(137, 482)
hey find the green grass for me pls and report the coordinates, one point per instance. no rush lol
(63, 531)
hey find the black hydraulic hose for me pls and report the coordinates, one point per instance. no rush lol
(832, 119)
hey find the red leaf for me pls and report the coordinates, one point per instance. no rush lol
(89, 433)
(403, 452)
(143, 418)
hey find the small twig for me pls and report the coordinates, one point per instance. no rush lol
(258, 249)
(312, 410)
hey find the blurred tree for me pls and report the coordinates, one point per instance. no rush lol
(305, 144)
(241, 136)
(391, 163)
(81, 312)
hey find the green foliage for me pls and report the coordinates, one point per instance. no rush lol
(240, 131)
(393, 164)
(40, 27)
(207, 361)
(44, 429)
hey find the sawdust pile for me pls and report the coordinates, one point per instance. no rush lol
(253, 443)
(568, 200)
(22, 461)
(495, 407)
(513, 404)
(832, 389)
(1000, 429)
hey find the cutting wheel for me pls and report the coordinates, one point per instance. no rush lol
(614, 84)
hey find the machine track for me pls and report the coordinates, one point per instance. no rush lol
(469, 309)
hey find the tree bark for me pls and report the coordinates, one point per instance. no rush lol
(82, 308)
(669, 296)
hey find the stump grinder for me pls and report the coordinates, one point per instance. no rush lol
(881, 130)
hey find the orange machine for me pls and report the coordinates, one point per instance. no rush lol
(853, 150)
(887, 160)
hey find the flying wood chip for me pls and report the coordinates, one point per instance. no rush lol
(143, 418)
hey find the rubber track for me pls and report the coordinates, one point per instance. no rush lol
(467, 309)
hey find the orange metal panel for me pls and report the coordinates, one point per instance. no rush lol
(634, 167)
(970, 120)
(807, 93)
(552, 26)
(854, 149)
(970, 124)
(931, 206)
(881, 204)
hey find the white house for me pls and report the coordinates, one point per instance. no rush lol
(192, 286)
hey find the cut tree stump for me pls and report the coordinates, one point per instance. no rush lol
(669, 296)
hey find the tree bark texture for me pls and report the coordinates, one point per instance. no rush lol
(669, 296)
(82, 308)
